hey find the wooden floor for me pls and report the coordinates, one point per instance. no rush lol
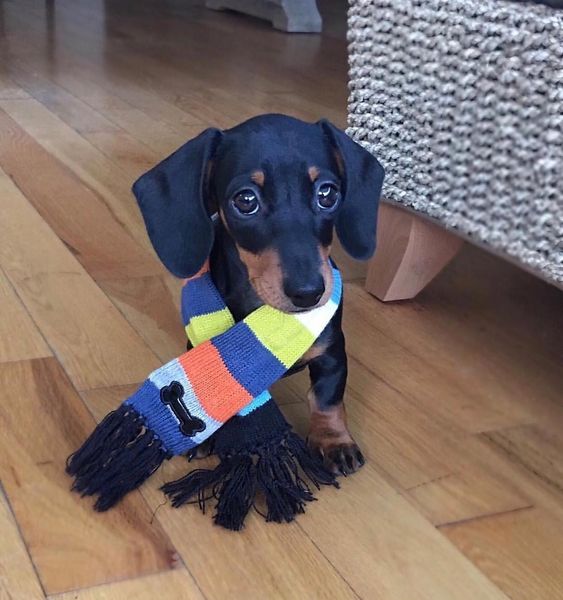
(455, 398)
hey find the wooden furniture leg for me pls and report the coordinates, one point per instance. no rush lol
(410, 253)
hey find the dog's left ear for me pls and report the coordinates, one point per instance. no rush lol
(362, 178)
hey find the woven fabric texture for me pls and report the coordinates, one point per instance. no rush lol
(462, 102)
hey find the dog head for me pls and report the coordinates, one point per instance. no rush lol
(280, 187)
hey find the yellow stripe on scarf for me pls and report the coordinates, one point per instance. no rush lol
(283, 335)
(204, 327)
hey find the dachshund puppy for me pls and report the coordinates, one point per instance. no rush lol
(262, 200)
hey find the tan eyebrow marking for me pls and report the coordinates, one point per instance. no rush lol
(258, 177)
(313, 173)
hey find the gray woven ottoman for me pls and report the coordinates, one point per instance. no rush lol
(462, 101)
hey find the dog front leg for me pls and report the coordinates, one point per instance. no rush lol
(328, 430)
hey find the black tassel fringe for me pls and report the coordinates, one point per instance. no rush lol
(275, 469)
(117, 458)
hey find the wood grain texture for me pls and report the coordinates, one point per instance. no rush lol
(418, 452)
(19, 337)
(537, 450)
(17, 575)
(477, 380)
(150, 307)
(405, 555)
(510, 354)
(123, 150)
(78, 216)
(410, 253)
(425, 455)
(174, 585)
(263, 561)
(9, 90)
(88, 163)
(69, 309)
(468, 494)
(520, 551)
(46, 422)
(70, 109)
(159, 136)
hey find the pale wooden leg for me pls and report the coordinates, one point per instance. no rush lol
(410, 253)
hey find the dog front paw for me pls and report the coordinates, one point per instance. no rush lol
(341, 457)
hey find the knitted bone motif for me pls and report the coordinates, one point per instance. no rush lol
(181, 404)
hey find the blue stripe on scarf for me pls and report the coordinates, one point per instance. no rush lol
(200, 297)
(242, 352)
(259, 401)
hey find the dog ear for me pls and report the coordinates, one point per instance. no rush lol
(362, 178)
(172, 199)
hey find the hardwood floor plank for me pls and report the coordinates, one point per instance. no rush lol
(70, 544)
(228, 107)
(500, 294)
(94, 342)
(102, 90)
(123, 149)
(131, 107)
(231, 103)
(158, 136)
(508, 383)
(382, 545)
(472, 493)
(424, 454)
(75, 213)
(174, 585)
(19, 337)
(79, 103)
(520, 551)
(9, 90)
(399, 439)
(88, 163)
(18, 579)
(425, 457)
(70, 109)
(103, 400)
(431, 370)
(539, 451)
(265, 560)
(149, 307)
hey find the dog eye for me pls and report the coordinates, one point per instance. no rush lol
(246, 202)
(327, 195)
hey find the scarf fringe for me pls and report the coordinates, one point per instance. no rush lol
(273, 469)
(117, 458)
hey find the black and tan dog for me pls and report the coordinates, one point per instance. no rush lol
(279, 187)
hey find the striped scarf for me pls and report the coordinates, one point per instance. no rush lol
(218, 388)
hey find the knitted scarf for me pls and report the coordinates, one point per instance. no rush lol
(198, 394)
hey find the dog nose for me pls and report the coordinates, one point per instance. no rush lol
(305, 296)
